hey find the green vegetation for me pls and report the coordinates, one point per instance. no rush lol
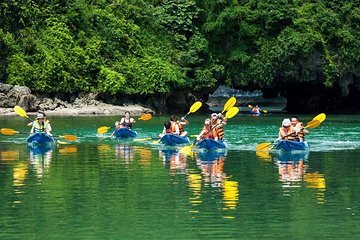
(156, 46)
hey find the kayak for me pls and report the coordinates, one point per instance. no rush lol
(40, 139)
(255, 113)
(125, 133)
(209, 144)
(287, 145)
(172, 140)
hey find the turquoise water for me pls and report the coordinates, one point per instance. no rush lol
(99, 188)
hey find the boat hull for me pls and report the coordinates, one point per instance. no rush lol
(172, 140)
(43, 140)
(125, 133)
(210, 144)
(287, 145)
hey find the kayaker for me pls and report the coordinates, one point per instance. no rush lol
(40, 125)
(127, 121)
(175, 123)
(255, 110)
(169, 129)
(45, 119)
(286, 132)
(117, 126)
(217, 122)
(299, 129)
(207, 131)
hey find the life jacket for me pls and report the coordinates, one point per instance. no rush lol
(181, 129)
(219, 130)
(40, 128)
(287, 133)
(126, 124)
(255, 110)
(300, 136)
(209, 132)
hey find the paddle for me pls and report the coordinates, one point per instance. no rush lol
(262, 110)
(21, 112)
(194, 108)
(229, 114)
(312, 124)
(105, 129)
(10, 132)
(321, 117)
(229, 104)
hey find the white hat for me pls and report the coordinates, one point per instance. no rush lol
(40, 115)
(286, 122)
(214, 115)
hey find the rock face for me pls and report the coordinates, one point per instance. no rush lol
(83, 104)
(10, 96)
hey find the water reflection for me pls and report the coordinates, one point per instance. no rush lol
(293, 172)
(211, 164)
(40, 159)
(292, 167)
(9, 155)
(174, 160)
(124, 152)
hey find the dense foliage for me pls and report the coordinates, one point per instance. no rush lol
(156, 46)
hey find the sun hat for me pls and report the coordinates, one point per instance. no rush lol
(39, 116)
(286, 122)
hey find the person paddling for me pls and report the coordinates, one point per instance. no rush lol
(256, 110)
(299, 129)
(286, 131)
(218, 121)
(207, 131)
(40, 125)
(127, 121)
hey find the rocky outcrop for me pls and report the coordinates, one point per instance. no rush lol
(10, 96)
(82, 104)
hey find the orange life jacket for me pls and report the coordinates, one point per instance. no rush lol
(219, 130)
(287, 133)
(209, 132)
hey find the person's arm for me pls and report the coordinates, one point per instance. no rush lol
(122, 121)
(48, 128)
(32, 128)
(184, 121)
(201, 134)
(132, 120)
(177, 130)
(30, 124)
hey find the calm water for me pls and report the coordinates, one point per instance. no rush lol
(99, 188)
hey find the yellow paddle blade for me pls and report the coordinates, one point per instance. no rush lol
(187, 150)
(103, 129)
(145, 117)
(156, 142)
(263, 146)
(250, 106)
(313, 124)
(142, 139)
(195, 107)
(232, 112)
(8, 131)
(321, 117)
(69, 137)
(229, 104)
(264, 110)
(20, 111)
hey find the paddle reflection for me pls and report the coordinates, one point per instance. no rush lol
(9, 155)
(174, 160)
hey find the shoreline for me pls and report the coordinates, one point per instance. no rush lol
(102, 109)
